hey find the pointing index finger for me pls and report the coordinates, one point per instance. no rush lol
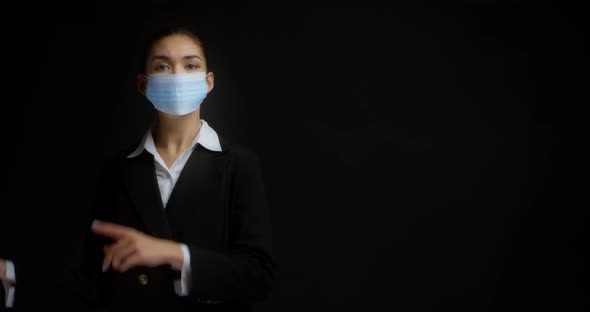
(112, 230)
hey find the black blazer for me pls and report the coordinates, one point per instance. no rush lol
(218, 208)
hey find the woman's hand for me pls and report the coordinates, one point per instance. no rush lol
(134, 248)
(2, 269)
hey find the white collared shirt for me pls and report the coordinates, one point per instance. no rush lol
(167, 178)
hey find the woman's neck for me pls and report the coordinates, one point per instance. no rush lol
(175, 134)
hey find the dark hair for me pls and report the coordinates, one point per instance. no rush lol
(158, 34)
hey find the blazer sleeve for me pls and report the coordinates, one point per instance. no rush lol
(245, 272)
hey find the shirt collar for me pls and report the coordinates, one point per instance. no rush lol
(206, 136)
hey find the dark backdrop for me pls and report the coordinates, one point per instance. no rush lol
(416, 156)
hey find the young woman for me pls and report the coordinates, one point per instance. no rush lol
(182, 217)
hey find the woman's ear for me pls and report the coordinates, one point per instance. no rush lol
(141, 84)
(210, 81)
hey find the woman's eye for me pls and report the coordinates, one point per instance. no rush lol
(161, 67)
(192, 66)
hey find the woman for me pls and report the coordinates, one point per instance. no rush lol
(182, 217)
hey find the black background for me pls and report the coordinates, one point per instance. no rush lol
(417, 156)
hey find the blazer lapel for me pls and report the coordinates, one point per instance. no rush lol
(142, 185)
(197, 190)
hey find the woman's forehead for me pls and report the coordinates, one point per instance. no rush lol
(176, 45)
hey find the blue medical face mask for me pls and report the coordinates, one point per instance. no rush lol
(177, 94)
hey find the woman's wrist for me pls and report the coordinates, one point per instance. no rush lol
(174, 256)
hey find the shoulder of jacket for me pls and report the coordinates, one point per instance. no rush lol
(117, 157)
(238, 151)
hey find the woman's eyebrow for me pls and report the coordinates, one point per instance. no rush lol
(160, 57)
(166, 58)
(188, 57)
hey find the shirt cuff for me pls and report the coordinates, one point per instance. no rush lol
(9, 296)
(10, 274)
(181, 286)
(8, 288)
